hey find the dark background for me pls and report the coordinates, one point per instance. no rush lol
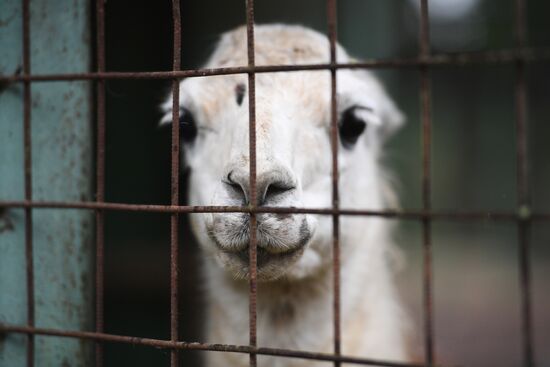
(476, 299)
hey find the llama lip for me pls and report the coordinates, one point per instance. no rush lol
(269, 249)
(271, 243)
(264, 257)
(267, 254)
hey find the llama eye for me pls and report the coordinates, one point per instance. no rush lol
(188, 128)
(351, 127)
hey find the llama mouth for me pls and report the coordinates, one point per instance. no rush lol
(270, 247)
(265, 257)
(276, 249)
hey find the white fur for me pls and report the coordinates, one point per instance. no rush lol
(293, 147)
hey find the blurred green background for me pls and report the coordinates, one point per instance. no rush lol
(476, 287)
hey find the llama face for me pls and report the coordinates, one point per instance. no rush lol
(293, 151)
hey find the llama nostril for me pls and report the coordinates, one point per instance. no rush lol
(237, 192)
(236, 189)
(275, 191)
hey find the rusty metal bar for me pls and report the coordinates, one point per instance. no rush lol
(252, 253)
(27, 140)
(523, 192)
(100, 177)
(458, 59)
(168, 344)
(332, 35)
(174, 194)
(390, 213)
(425, 100)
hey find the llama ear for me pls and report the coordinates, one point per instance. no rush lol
(370, 91)
(166, 109)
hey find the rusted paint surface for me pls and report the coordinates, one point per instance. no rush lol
(61, 168)
(12, 249)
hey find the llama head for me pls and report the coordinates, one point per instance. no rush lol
(293, 150)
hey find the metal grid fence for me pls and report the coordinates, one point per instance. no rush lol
(518, 56)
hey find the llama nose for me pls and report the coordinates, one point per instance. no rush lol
(271, 186)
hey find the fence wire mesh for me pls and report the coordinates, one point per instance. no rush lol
(523, 217)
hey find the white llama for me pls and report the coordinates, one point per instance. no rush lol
(293, 169)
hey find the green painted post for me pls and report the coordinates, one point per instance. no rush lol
(62, 142)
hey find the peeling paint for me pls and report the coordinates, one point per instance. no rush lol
(61, 165)
(6, 224)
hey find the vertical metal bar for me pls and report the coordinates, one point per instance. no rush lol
(100, 175)
(332, 33)
(523, 195)
(174, 234)
(425, 98)
(28, 179)
(253, 194)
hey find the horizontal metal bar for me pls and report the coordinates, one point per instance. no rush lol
(458, 59)
(387, 213)
(167, 344)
